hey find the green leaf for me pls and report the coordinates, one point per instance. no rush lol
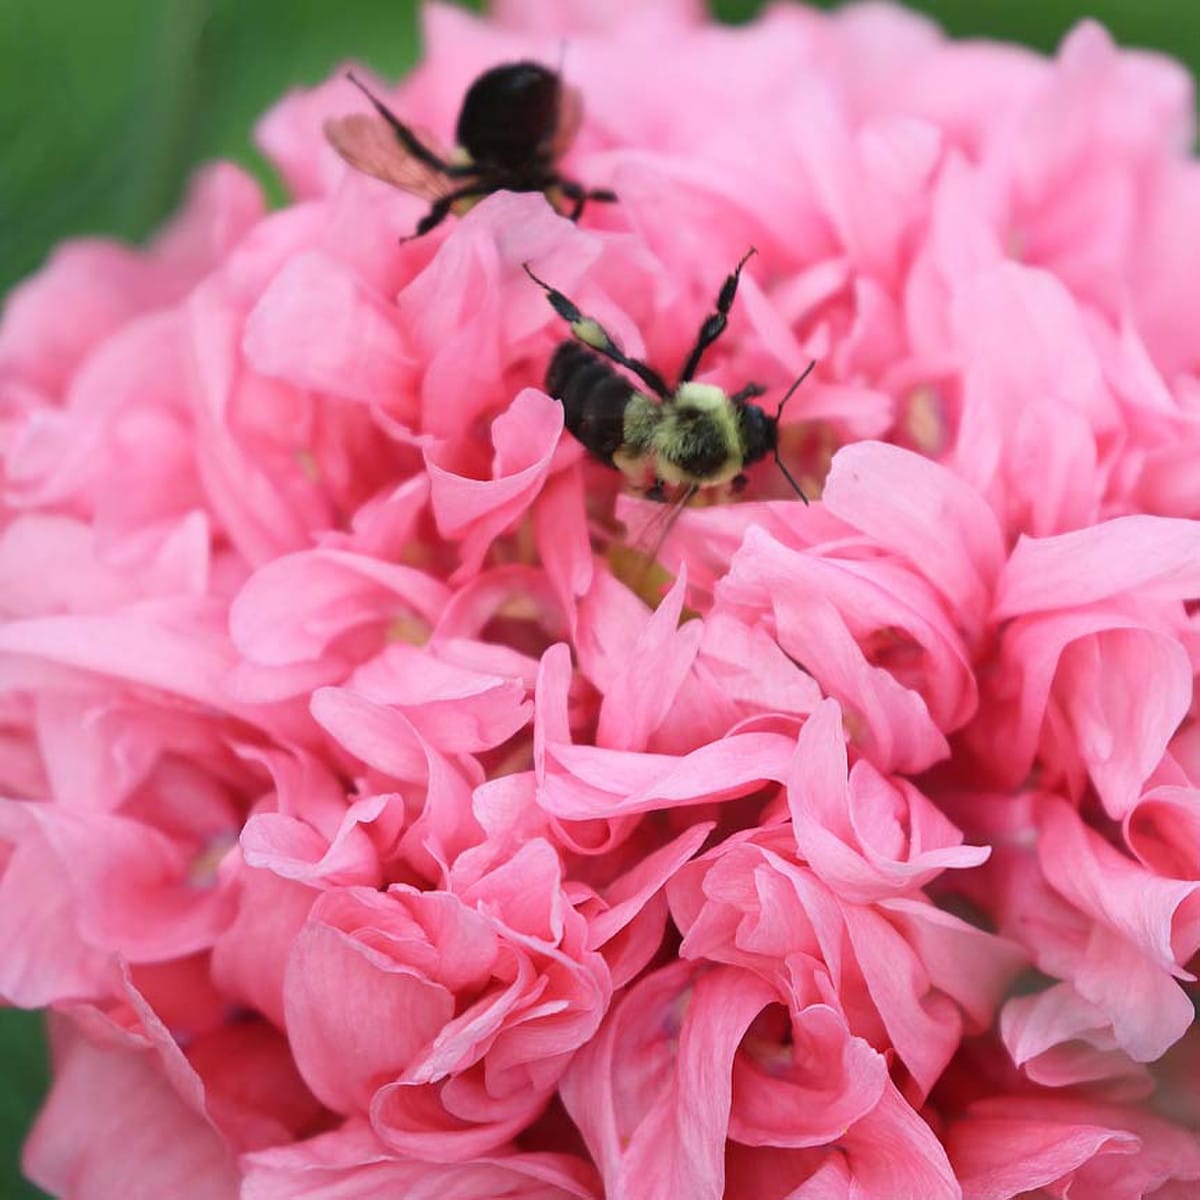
(23, 1081)
(108, 107)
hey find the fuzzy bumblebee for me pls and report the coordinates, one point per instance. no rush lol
(691, 436)
(517, 120)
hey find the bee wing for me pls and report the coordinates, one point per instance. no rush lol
(368, 145)
(657, 529)
(570, 114)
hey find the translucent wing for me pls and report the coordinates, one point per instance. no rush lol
(657, 529)
(368, 145)
(636, 561)
(570, 114)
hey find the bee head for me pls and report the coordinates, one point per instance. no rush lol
(758, 432)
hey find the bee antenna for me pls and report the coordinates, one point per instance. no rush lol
(788, 394)
(778, 414)
(788, 476)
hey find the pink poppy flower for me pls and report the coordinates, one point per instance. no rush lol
(379, 818)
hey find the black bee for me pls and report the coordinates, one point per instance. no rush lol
(517, 121)
(690, 436)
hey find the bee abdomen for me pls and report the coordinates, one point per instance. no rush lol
(594, 397)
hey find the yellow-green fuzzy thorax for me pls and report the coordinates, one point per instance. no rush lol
(693, 437)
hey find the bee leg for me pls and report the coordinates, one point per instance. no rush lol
(714, 323)
(750, 392)
(404, 135)
(738, 484)
(592, 334)
(657, 492)
(440, 210)
(581, 195)
(574, 192)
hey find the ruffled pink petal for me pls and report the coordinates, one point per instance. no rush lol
(998, 450)
(563, 542)
(832, 1081)
(1001, 1157)
(1160, 916)
(166, 1103)
(473, 299)
(643, 692)
(317, 327)
(893, 1153)
(587, 781)
(923, 1024)
(249, 959)
(1085, 669)
(168, 1147)
(178, 650)
(862, 835)
(416, 1122)
(46, 959)
(1060, 1039)
(455, 709)
(1163, 831)
(671, 1139)
(266, 503)
(378, 734)
(1016, 1142)
(138, 890)
(626, 895)
(920, 510)
(972, 966)
(475, 511)
(524, 891)
(841, 622)
(1154, 557)
(352, 1162)
(336, 987)
(293, 849)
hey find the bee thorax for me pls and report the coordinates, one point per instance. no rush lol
(698, 439)
(703, 397)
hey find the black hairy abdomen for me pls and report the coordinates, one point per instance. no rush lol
(594, 397)
(508, 116)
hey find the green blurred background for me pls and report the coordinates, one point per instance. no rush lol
(106, 105)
